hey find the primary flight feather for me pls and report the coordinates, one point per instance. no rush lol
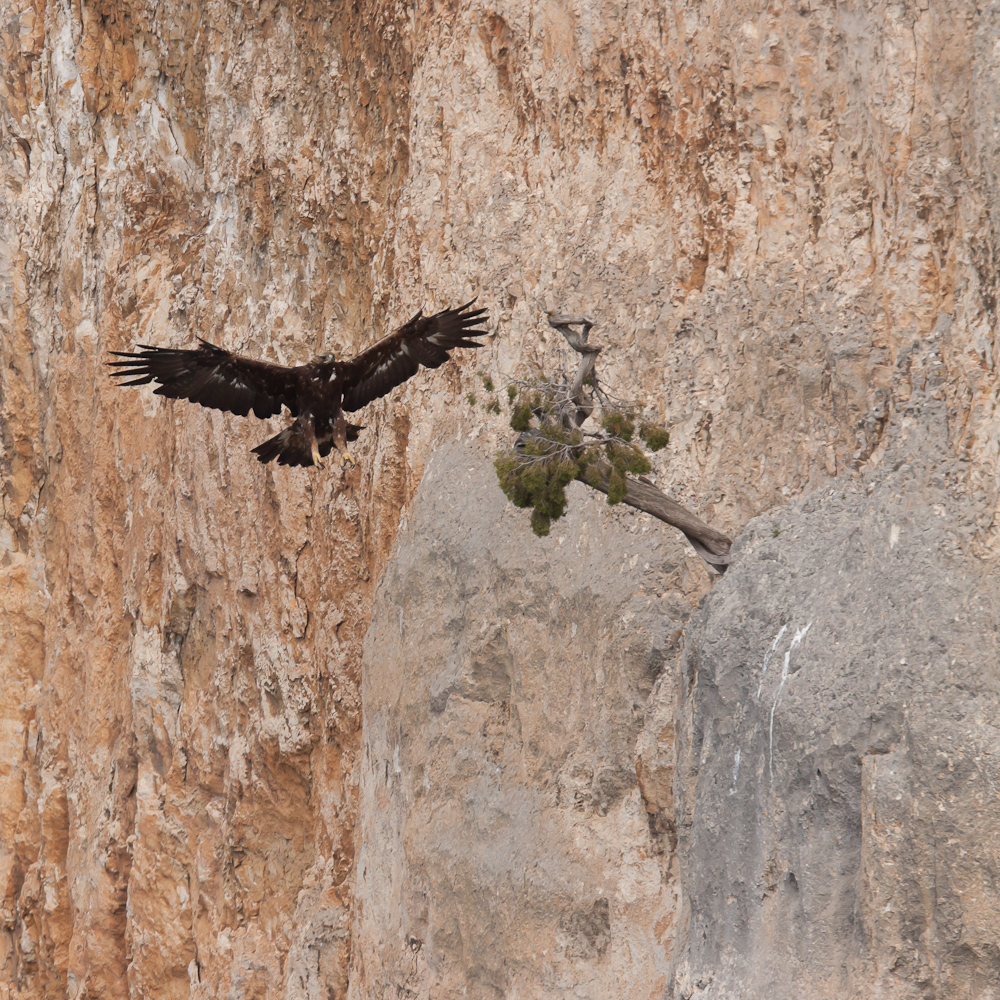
(316, 394)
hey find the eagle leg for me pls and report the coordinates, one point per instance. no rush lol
(309, 426)
(340, 440)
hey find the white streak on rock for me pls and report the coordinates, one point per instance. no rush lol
(800, 634)
(768, 655)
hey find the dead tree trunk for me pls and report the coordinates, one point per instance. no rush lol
(713, 546)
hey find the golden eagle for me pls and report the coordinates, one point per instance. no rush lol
(316, 394)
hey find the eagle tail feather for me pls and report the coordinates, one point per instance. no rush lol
(283, 448)
(290, 447)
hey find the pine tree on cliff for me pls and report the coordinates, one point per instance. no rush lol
(555, 447)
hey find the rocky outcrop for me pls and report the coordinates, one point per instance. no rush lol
(506, 846)
(783, 220)
(829, 733)
(838, 777)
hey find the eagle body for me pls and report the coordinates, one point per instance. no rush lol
(320, 420)
(317, 394)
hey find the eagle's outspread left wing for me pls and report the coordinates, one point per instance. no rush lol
(212, 377)
(425, 340)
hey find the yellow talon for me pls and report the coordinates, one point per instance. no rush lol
(345, 457)
(317, 461)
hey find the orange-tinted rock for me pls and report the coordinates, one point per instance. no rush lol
(783, 221)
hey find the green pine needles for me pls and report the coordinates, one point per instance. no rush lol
(554, 447)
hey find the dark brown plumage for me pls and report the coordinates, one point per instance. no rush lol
(316, 394)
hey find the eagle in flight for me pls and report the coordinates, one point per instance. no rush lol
(316, 394)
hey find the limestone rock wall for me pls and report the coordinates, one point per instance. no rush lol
(211, 782)
(839, 747)
(505, 846)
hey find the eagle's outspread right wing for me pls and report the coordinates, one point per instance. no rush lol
(425, 340)
(212, 377)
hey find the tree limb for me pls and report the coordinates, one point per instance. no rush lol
(578, 341)
(713, 546)
(588, 358)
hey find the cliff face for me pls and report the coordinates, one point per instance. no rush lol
(505, 848)
(839, 757)
(257, 740)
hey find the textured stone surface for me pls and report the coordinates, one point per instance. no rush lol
(783, 217)
(838, 776)
(506, 849)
